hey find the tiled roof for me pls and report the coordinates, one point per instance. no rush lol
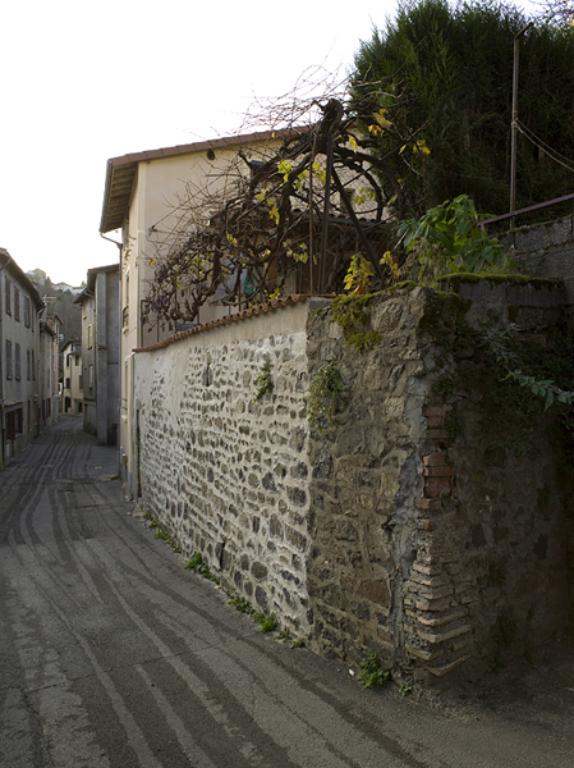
(254, 311)
(121, 171)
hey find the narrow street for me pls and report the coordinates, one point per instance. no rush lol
(112, 654)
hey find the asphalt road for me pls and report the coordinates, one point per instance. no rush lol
(111, 654)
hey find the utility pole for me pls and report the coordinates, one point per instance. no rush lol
(514, 120)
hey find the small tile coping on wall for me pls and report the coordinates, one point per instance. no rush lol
(254, 311)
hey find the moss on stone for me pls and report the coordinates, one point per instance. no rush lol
(351, 313)
(513, 278)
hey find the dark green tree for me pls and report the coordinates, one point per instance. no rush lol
(434, 87)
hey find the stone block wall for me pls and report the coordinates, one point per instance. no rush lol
(403, 498)
(226, 472)
(547, 250)
(490, 580)
(367, 478)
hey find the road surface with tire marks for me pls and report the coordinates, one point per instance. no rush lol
(112, 655)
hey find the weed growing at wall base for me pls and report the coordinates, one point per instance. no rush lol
(267, 623)
(196, 563)
(371, 672)
(161, 532)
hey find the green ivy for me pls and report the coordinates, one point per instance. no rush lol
(263, 381)
(325, 396)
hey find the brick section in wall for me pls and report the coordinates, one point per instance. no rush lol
(438, 635)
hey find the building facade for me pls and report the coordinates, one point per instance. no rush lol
(101, 353)
(72, 389)
(49, 369)
(20, 307)
(142, 197)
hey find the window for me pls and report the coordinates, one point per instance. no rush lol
(68, 383)
(8, 293)
(17, 371)
(33, 366)
(27, 312)
(89, 336)
(16, 304)
(28, 365)
(68, 360)
(91, 376)
(8, 359)
(81, 381)
(29, 414)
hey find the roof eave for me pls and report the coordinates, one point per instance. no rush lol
(110, 220)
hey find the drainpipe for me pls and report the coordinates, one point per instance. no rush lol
(111, 240)
(120, 358)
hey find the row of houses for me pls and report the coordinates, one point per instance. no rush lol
(29, 360)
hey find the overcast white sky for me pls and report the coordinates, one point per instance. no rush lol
(85, 81)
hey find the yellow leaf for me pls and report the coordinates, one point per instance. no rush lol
(352, 142)
(285, 167)
(421, 147)
(374, 129)
(389, 261)
(231, 239)
(381, 119)
(319, 171)
(358, 277)
(273, 210)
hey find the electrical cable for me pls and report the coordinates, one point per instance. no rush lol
(544, 143)
(551, 153)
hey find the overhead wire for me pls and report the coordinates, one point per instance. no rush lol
(545, 145)
(553, 154)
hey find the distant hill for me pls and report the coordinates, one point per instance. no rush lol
(59, 298)
(39, 277)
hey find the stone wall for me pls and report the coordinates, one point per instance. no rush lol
(402, 498)
(367, 478)
(229, 473)
(547, 250)
(438, 538)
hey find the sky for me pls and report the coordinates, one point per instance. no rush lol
(85, 81)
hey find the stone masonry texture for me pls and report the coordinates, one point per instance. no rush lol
(417, 511)
(226, 472)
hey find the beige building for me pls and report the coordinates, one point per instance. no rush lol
(20, 305)
(143, 197)
(100, 352)
(49, 368)
(72, 390)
